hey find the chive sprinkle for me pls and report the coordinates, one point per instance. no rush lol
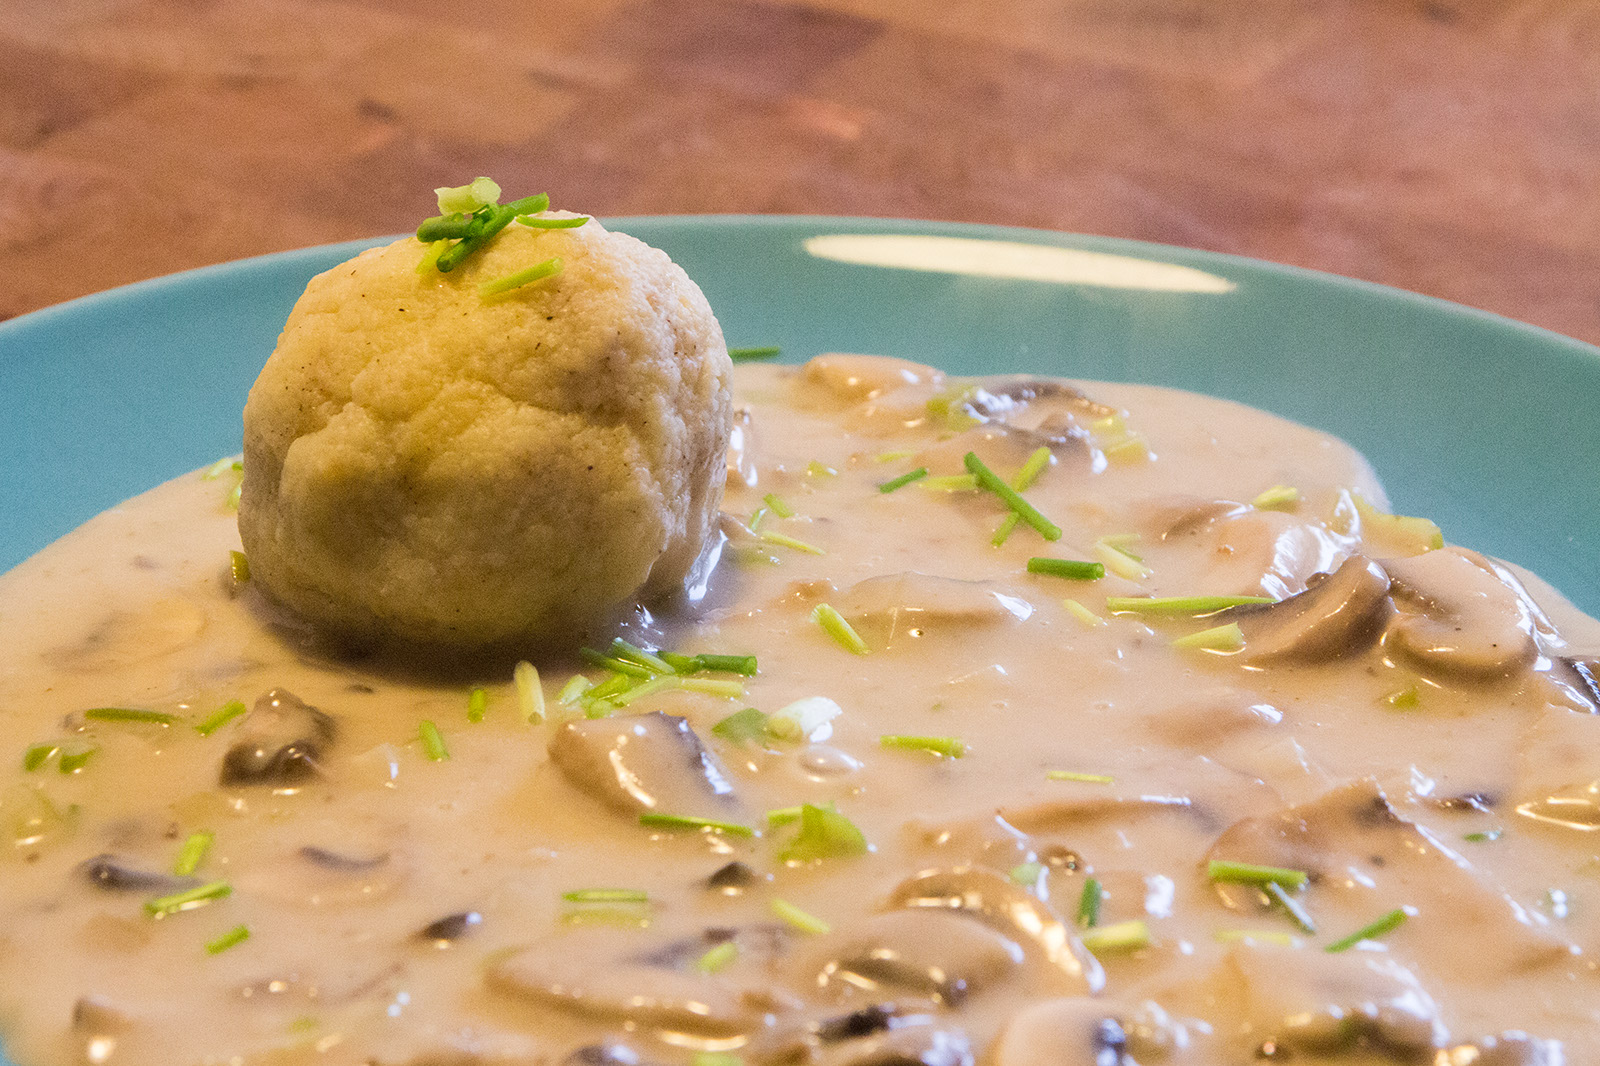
(1291, 906)
(1003, 531)
(1082, 613)
(824, 834)
(432, 741)
(904, 479)
(947, 747)
(1388, 923)
(73, 761)
(129, 714)
(742, 727)
(622, 649)
(1074, 569)
(779, 508)
(238, 567)
(1123, 936)
(742, 355)
(38, 754)
(1221, 639)
(988, 479)
(716, 1058)
(477, 704)
(1179, 605)
(606, 895)
(1089, 904)
(1031, 469)
(799, 919)
(1026, 874)
(1484, 837)
(718, 958)
(539, 271)
(1264, 936)
(657, 820)
(1277, 498)
(711, 686)
(833, 623)
(1119, 560)
(233, 937)
(727, 664)
(530, 692)
(1223, 871)
(1073, 775)
(220, 717)
(949, 483)
(192, 853)
(188, 899)
(535, 222)
(789, 542)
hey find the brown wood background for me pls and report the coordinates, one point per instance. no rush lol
(1446, 146)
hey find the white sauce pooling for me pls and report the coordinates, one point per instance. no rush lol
(1413, 734)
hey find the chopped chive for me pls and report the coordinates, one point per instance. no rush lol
(538, 272)
(892, 457)
(1265, 936)
(38, 754)
(799, 919)
(429, 263)
(490, 221)
(949, 483)
(531, 205)
(616, 684)
(1003, 531)
(606, 895)
(803, 719)
(1223, 871)
(755, 519)
(218, 468)
(711, 686)
(824, 834)
(477, 193)
(718, 958)
(742, 727)
(432, 741)
(635, 654)
(647, 688)
(231, 501)
(1123, 542)
(988, 479)
(575, 687)
(1404, 700)
(1131, 449)
(789, 542)
(1277, 498)
(904, 479)
(1123, 936)
(833, 623)
(477, 704)
(1388, 923)
(782, 816)
(1031, 469)
(534, 222)
(1073, 775)
(818, 469)
(192, 853)
(1074, 569)
(741, 355)
(1082, 613)
(1484, 837)
(530, 691)
(1193, 606)
(232, 938)
(779, 508)
(1291, 906)
(1026, 874)
(727, 664)
(129, 714)
(947, 747)
(1220, 639)
(1120, 561)
(657, 820)
(73, 761)
(716, 1058)
(614, 664)
(188, 899)
(1089, 901)
(238, 567)
(682, 664)
(451, 227)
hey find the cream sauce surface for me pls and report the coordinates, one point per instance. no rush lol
(1415, 733)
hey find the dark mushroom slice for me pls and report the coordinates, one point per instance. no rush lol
(281, 744)
(1064, 1032)
(1457, 618)
(1000, 400)
(643, 762)
(603, 1055)
(1339, 615)
(909, 1041)
(452, 927)
(1579, 675)
(115, 875)
(333, 860)
(732, 879)
(996, 901)
(910, 605)
(933, 954)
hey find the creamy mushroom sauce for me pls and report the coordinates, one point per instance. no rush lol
(1415, 732)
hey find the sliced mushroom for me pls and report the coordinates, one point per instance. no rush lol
(1579, 675)
(998, 902)
(1507, 1049)
(929, 953)
(602, 1055)
(111, 873)
(1339, 615)
(452, 927)
(1063, 1032)
(588, 973)
(281, 742)
(333, 860)
(910, 1041)
(644, 762)
(1458, 618)
(1576, 808)
(857, 378)
(911, 605)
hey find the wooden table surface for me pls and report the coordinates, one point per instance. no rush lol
(1446, 146)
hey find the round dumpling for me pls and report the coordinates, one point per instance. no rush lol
(426, 463)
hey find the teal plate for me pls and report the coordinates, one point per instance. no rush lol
(1487, 426)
